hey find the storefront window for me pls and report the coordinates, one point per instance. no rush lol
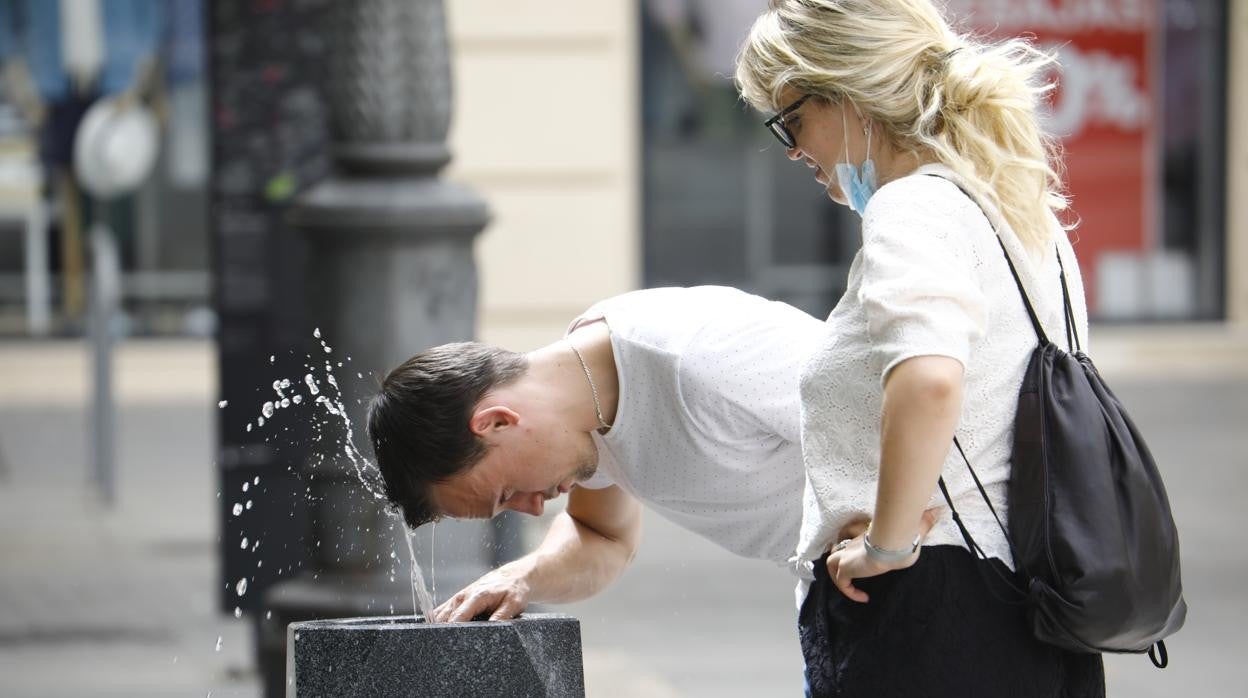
(1139, 110)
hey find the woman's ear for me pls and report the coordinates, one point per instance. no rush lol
(493, 418)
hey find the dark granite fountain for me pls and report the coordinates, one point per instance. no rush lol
(533, 655)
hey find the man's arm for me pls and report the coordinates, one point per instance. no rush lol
(586, 548)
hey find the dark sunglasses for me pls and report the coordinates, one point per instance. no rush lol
(779, 129)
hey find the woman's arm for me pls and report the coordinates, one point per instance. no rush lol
(921, 407)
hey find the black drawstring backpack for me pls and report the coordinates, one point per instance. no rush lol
(1094, 543)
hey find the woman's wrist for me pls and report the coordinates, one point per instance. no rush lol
(890, 556)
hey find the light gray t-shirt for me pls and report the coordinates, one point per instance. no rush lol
(707, 427)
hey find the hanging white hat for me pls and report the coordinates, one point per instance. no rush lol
(115, 147)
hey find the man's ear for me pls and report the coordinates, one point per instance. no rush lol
(493, 418)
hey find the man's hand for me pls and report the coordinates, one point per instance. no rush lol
(849, 560)
(503, 593)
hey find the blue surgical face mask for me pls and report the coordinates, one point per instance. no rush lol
(857, 183)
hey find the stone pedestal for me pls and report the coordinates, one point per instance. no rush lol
(535, 655)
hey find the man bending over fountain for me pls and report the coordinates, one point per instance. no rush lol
(682, 399)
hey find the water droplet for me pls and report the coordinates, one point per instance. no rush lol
(218, 643)
(392, 554)
(244, 545)
(316, 333)
(267, 410)
(332, 381)
(311, 383)
(268, 615)
(238, 612)
(256, 481)
(222, 403)
(285, 402)
(328, 350)
(246, 485)
(272, 358)
(248, 503)
(238, 508)
(259, 421)
(248, 426)
(297, 399)
(241, 587)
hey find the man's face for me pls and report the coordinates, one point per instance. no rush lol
(520, 472)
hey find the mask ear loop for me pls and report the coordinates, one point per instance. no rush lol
(845, 134)
(870, 128)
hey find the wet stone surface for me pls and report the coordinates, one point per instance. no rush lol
(534, 655)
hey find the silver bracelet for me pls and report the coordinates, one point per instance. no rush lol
(888, 556)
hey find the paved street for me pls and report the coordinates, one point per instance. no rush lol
(120, 602)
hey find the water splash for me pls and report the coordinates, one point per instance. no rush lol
(241, 587)
(323, 392)
(433, 571)
(421, 599)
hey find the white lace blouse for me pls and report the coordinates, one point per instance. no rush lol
(930, 279)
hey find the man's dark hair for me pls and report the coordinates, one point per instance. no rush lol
(418, 421)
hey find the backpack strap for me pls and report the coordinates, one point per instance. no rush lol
(970, 541)
(1072, 334)
(1157, 654)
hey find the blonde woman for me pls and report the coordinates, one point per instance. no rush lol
(933, 138)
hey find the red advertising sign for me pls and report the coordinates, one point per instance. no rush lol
(1103, 110)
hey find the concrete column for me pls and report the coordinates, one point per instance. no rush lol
(390, 273)
(1237, 166)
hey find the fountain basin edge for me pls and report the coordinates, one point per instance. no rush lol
(535, 654)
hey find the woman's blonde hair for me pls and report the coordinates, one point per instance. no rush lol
(971, 104)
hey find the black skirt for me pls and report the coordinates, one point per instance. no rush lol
(943, 627)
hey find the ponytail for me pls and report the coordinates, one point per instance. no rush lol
(979, 118)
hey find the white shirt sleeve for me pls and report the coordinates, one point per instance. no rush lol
(920, 289)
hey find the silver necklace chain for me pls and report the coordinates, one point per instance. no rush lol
(592, 388)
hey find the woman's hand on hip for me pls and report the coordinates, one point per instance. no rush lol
(849, 560)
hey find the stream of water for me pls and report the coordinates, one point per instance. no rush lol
(324, 394)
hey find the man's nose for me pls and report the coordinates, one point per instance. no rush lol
(531, 503)
(794, 153)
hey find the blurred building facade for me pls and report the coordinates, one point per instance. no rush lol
(610, 143)
(632, 163)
